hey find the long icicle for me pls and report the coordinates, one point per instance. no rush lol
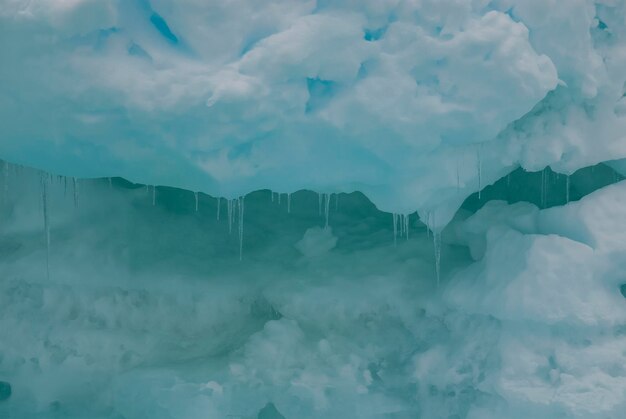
(437, 246)
(406, 225)
(288, 203)
(327, 208)
(195, 194)
(241, 200)
(229, 205)
(567, 189)
(219, 200)
(319, 203)
(395, 229)
(46, 221)
(76, 191)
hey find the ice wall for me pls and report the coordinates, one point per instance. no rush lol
(415, 103)
(124, 300)
(139, 306)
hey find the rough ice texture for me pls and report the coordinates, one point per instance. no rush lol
(552, 278)
(126, 302)
(403, 100)
(147, 311)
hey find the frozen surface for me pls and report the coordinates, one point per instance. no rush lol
(422, 209)
(141, 307)
(415, 103)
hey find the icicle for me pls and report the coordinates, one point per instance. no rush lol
(508, 180)
(46, 221)
(406, 225)
(147, 189)
(480, 170)
(218, 207)
(195, 194)
(153, 195)
(240, 202)
(288, 203)
(76, 191)
(395, 229)
(566, 189)
(427, 225)
(272, 195)
(111, 183)
(229, 205)
(279, 198)
(437, 247)
(327, 208)
(319, 202)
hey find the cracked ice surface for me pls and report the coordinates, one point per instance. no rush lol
(402, 100)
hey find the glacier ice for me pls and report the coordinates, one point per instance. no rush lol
(474, 268)
(229, 99)
(148, 310)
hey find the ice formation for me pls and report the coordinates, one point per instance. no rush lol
(384, 97)
(434, 209)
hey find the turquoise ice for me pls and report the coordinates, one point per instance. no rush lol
(295, 209)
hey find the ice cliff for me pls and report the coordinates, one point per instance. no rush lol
(312, 209)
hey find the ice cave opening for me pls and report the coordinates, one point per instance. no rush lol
(303, 209)
(122, 300)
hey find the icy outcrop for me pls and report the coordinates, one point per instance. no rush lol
(552, 279)
(402, 100)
